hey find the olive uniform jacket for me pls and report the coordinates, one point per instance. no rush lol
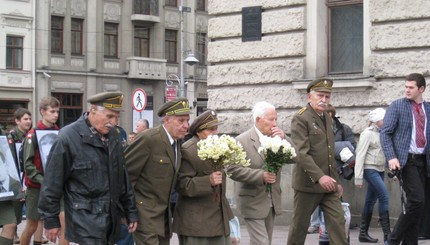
(198, 213)
(254, 201)
(313, 140)
(150, 163)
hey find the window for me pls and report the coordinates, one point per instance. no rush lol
(345, 37)
(77, 30)
(57, 29)
(111, 40)
(7, 109)
(171, 46)
(146, 7)
(14, 52)
(142, 7)
(141, 41)
(201, 48)
(171, 3)
(70, 108)
(201, 5)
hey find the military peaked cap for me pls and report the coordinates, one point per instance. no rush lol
(206, 120)
(176, 107)
(109, 100)
(320, 85)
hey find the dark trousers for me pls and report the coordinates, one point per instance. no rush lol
(425, 219)
(407, 226)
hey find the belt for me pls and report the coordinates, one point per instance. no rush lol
(416, 156)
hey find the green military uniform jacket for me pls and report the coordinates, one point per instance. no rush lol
(198, 213)
(150, 163)
(313, 139)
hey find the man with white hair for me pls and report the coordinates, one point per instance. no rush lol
(257, 206)
(142, 125)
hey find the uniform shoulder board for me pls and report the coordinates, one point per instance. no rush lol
(300, 112)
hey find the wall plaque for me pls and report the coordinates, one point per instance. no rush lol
(251, 24)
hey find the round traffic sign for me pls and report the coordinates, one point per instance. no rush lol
(139, 100)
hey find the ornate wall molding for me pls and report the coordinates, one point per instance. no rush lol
(78, 8)
(58, 7)
(112, 11)
(77, 62)
(57, 61)
(67, 86)
(17, 20)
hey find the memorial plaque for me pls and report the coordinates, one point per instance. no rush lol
(251, 24)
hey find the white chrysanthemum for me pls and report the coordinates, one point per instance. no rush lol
(222, 150)
(274, 144)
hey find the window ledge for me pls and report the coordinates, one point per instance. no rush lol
(343, 84)
(145, 18)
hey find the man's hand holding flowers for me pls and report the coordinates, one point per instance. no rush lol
(277, 152)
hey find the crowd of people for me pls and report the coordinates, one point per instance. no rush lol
(97, 188)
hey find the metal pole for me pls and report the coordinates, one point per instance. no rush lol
(181, 61)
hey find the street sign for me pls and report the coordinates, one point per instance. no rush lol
(139, 100)
(170, 93)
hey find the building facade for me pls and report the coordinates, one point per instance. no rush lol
(366, 46)
(85, 47)
(17, 58)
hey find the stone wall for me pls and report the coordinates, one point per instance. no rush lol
(242, 73)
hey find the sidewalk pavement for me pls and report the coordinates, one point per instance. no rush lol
(280, 235)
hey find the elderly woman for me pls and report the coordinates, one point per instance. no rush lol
(370, 163)
(199, 217)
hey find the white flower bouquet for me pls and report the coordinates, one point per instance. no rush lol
(277, 152)
(221, 151)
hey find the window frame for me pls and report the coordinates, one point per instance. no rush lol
(336, 4)
(17, 53)
(201, 5)
(8, 106)
(60, 31)
(169, 3)
(171, 41)
(111, 37)
(80, 37)
(67, 102)
(140, 40)
(202, 48)
(142, 7)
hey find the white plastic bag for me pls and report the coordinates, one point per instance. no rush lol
(235, 231)
(324, 236)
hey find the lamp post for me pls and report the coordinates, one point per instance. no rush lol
(182, 9)
(191, 60)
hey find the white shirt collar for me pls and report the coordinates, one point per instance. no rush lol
(168, 135)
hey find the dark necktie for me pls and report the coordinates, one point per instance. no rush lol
(323, 120)
(174, 151)
(420, 139)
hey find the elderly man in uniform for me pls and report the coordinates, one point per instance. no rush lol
(153, 161)
(315, 179)
(258, 207)
(86, 164)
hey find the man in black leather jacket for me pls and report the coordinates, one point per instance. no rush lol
(86, 165)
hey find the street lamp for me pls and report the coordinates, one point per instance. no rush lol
(191, 60)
